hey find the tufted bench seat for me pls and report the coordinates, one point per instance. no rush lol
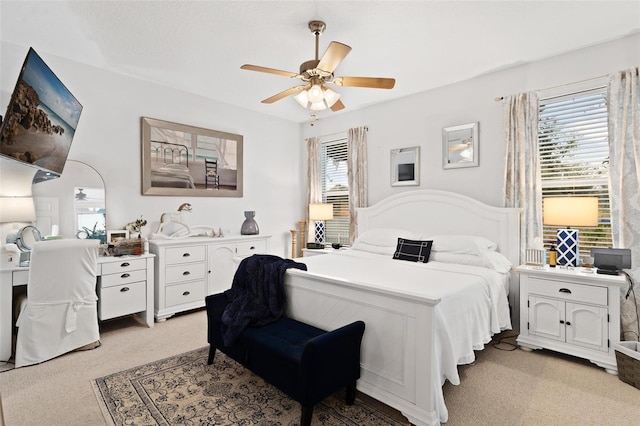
(305, 362)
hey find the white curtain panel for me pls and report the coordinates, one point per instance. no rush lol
(357, 175)
(624, 156)
(522, 182)
(314, 175)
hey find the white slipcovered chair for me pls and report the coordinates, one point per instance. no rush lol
(60, 314)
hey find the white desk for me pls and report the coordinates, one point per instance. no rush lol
(134, 272)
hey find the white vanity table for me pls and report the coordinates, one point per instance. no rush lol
(124, 287)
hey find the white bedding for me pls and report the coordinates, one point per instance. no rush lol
(472, 301)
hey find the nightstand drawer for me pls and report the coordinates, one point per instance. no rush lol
(568, 291)
(184, 293)
(122, 300)
(185, 254)
(187, 272)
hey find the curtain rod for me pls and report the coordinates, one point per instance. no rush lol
(501, 98)
(342, 133)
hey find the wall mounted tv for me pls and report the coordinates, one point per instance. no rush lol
(41, 118)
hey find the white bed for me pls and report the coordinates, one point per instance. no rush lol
(422, 320)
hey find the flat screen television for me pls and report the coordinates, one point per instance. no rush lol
(41, 118)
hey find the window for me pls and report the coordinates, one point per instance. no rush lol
(573, 142)
(335, 189)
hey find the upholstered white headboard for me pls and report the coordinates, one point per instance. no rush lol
(434, 212)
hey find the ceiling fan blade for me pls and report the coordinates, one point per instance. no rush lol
(268, 70)
(337, 106)
(284, 94)
(332, 57)
(371, 82)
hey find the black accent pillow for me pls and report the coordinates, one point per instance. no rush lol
(413, 250)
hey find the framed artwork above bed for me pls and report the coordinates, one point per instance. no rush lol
(183, 160)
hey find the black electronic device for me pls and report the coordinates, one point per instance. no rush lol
(315, 246)
(610, 261)
(41, 119)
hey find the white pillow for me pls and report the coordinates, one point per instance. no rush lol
(468, 244)
(381, 240)
(488, 259)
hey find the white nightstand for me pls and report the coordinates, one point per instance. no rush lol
(570, 311)
(316, 252)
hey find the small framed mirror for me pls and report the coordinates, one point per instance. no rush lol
(460, 146)
(405, 166)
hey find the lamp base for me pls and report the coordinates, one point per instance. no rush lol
(567, 247)
(319, 232)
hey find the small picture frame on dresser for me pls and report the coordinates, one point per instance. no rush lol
(114, 235)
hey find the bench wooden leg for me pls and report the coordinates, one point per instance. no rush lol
(212, 354)
(350, 394)
(307, 414)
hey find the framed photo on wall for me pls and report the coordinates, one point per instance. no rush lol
(460, 146)
(405, 166)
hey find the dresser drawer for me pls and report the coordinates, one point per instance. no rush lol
(122, 300)
(185, 254)
(568, 291)
(251, 247)
(123, 278)
(124, 265)
(186, 272)
(184, 293)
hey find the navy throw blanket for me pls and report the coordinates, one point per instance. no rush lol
(257, 295)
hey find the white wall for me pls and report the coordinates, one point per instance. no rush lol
(419, 119)
(108, 138)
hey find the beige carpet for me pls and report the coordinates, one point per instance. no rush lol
(185, 390)
(500, 388)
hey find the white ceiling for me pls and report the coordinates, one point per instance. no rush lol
(199, 47)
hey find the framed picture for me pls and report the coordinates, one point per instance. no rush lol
(460, 146)
(113, 236)
(405, 166)
(183, 160)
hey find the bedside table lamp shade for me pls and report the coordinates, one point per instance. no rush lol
(569, 211)
(319, 213)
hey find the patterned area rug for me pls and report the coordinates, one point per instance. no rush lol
(184, 390)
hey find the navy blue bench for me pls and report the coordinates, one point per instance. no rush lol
(305, 362)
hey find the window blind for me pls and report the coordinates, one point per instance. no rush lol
(335, 189)
(573, 142)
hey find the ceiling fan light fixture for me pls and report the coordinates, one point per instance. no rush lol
(315, 94)
(330, 97)
(302, 98)
(318, 106)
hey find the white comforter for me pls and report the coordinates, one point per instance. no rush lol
(473, 303)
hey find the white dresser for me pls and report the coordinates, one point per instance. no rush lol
(571, 311)
(188, 270)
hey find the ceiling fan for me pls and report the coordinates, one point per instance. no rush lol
(318, 72)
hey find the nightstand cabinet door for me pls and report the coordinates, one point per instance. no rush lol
(546, 318)
(587, 326)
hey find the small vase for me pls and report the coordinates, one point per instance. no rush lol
(249, 226)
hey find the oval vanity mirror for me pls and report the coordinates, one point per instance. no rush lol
(72, 205)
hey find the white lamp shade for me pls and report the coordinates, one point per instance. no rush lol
(320, 211)
(570, 211)
(302, 98)
(17, 209)
(330, 97)
(315, 93)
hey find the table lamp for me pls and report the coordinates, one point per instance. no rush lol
(319, 213)
(567, 212)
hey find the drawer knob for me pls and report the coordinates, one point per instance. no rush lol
(186, 254)
(568, 323)
(125, 276)
(252, 248)
(123, 289)
(561, 321)
(186, 273)
(124, 264)
(565, 290)
(186, 293)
